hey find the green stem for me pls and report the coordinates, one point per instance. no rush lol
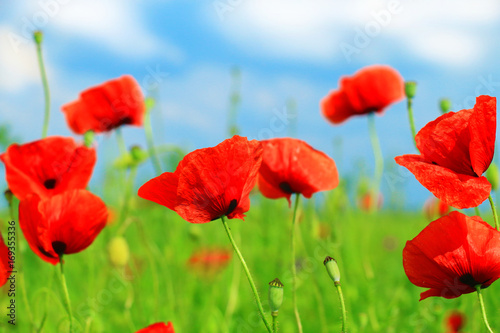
(412, 121)
(379, 161)
(275, 322)
(294, 268)
(476, 210)
(121, 142)
(483, 310)
(38, 42)
(494, 210)
(247, 272)
(342, 305)
(148, 130)
(66, 295)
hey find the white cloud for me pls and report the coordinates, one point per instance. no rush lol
(313, 31)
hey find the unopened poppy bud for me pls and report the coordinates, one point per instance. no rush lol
(445, 105)
(88, 138)
(275, 296)
(149, 102)
(492, 176)
(118, 251)
(38, 37)
(332, 269)
(410, 89)
(138, 154)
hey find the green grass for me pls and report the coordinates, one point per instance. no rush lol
(157, 285)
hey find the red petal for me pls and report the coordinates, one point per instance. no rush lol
(270, 191)
(457, 190)
(107, 106)
(483, 123)
(302, 168)
(336, 107)
(158, 328)
(445, 141)
(161, 189)
(59, 159)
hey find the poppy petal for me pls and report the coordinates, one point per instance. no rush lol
(468, 191)
(272, 192)
(336, 107)
(161, 189)
(158, 328)
(483, 122)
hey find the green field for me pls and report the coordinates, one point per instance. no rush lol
(157, 285)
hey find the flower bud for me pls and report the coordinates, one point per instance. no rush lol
(38, 37)
(445, 105)
(275, 295)
(332, 269)
(492, 176)
(118, 251)
(149, 102)
(138, 154)
(410, 89)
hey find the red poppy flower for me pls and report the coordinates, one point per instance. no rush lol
(62, 224)
(371, 89)
(435, 208)
(107, 106)
(292, 166)
(452, 255)
(209, 183)
(455, 150)
(4, 262)
(209, 261)
(48, 166)
(158, 328)
(455, 322)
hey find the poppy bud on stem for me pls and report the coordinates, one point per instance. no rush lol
(275, 300)
(38, 37)
(411, 90)
(444, 105)
(333, 271)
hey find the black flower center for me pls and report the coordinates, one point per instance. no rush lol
(469, 280)
(232, 206)
(285, 187)
(59, 247)
(49, 183)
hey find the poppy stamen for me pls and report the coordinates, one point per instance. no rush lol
(49, 183)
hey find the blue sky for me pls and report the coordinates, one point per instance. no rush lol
(184, 50)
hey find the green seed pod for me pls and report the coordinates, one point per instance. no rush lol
(275, 295)
(332, 269)
(118, 251)
(138, 154)
(410, 89)
(444, 105)
(38, 37)
(492, 176)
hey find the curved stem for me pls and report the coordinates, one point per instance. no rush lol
(66, 295)
(148, 130)
(379, 161)
(483, 311)
(294, 268)
(412, 121)
(46, 92)
(247, 272)
(494, 210)
(342, 305)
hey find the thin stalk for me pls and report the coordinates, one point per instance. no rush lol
(494, 210)
(233, 292)
(412, 121)
(379, 161)
(275, 322)
(148, 130)
(249, 276)
(121, 142)
(66, 295)
(25, 300)
(342, 305)
(477, 212)
(294, 268)
(38, 41)
(483, 310)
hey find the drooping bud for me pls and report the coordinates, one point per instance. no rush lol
(444, 105)
(332, 269)
(410, 89)
(492, 176)
(149, 102)
(275, 296)
(118, 251)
